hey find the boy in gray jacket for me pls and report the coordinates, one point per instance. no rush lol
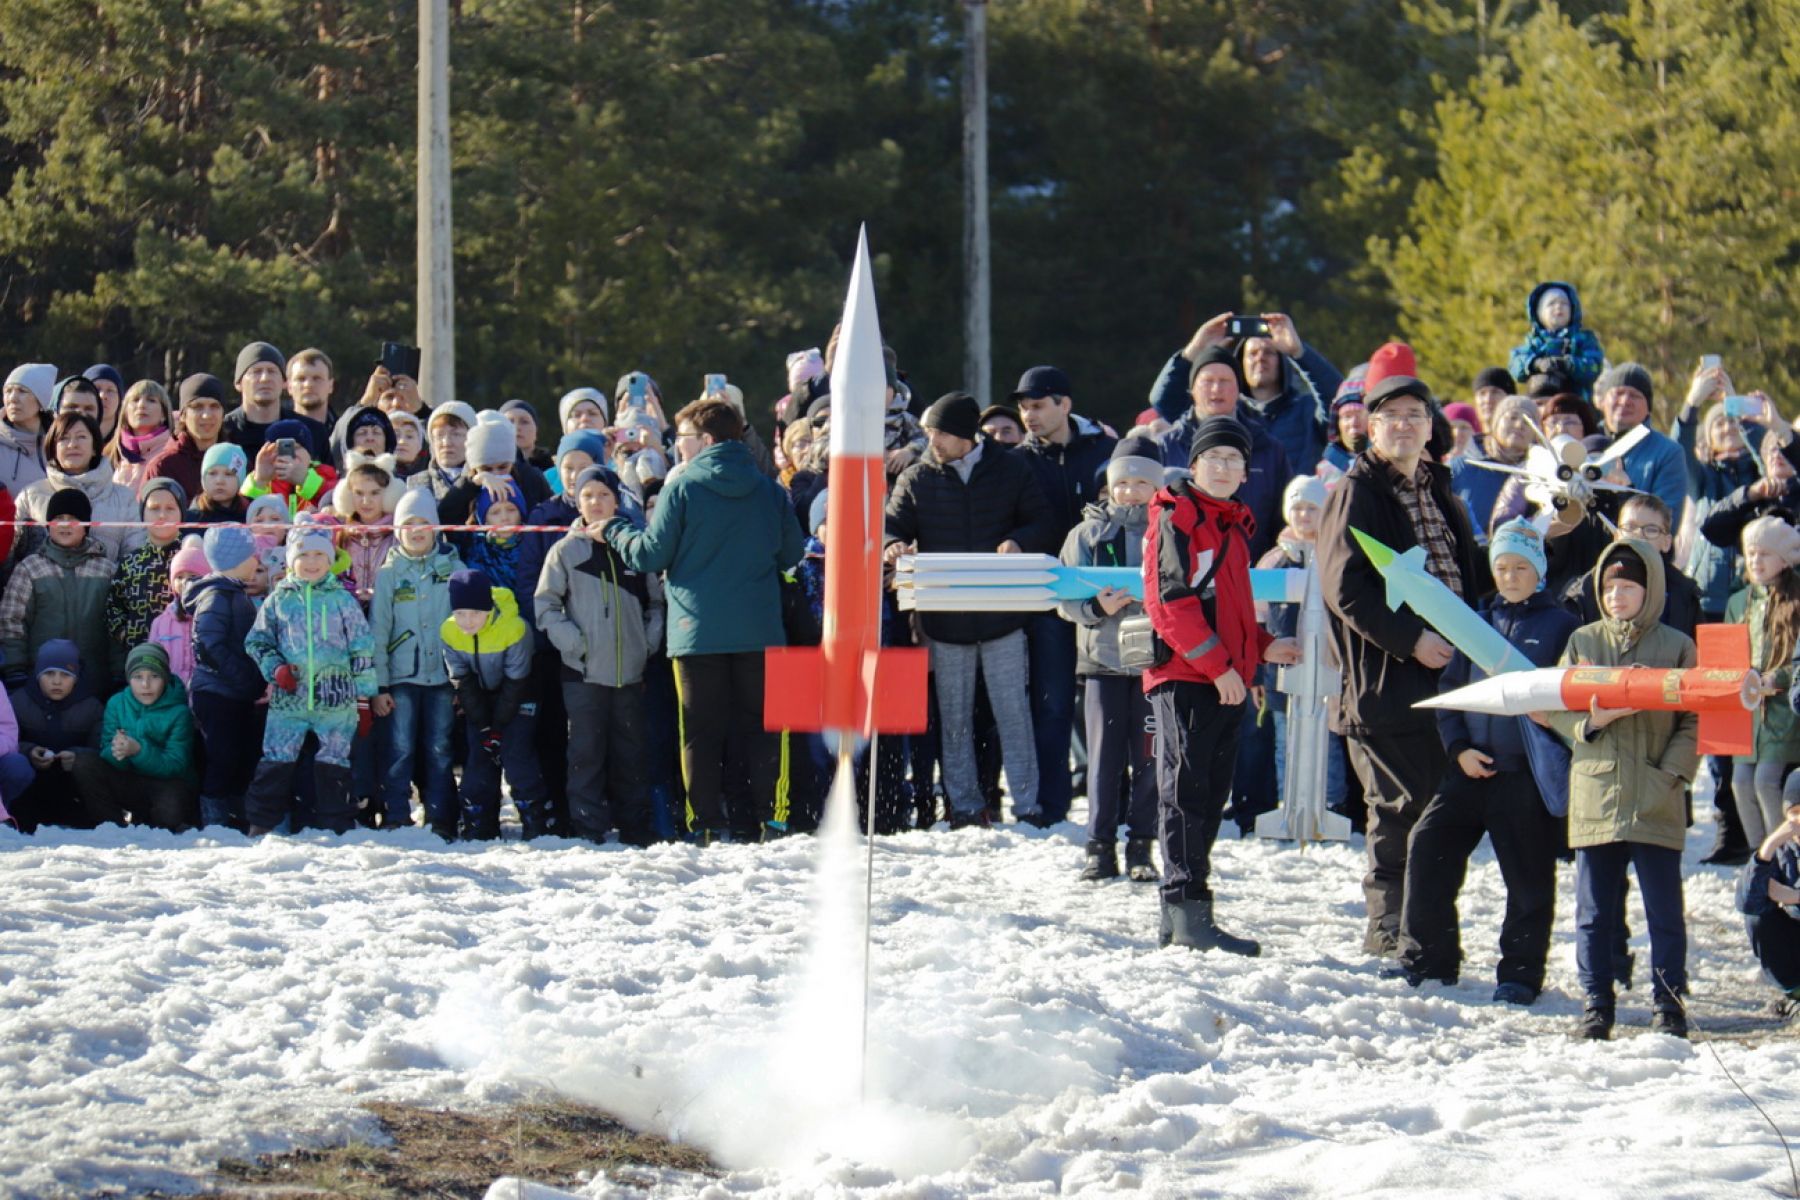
(604, 619)
(1120, 766)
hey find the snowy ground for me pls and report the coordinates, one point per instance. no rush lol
(165, 1001)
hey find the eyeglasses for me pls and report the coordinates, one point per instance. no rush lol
(1402, 418)
(1648, 532)
(1222, 460)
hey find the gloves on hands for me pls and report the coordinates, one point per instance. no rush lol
(490, 745)
(286, 678)
(365, 718)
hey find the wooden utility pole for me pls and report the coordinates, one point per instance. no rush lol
(978, 363)
(436, 283)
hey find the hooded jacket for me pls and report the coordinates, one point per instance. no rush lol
(721, 536)
(932, 507)
(72, 723)
(60, 593)
(1208, 631)
(491, 668)
(368, 546)
(604, 618)
(1268, 477)
(21, 456)
(1110, 535)
(1572, 342)
(1073, 475)
(223, 616)
(1372, 643)
(1681, 609)
(1628, 781)
(111, 502)
(320, 630)
(412, 602)
(1298, 419)
(165, 730)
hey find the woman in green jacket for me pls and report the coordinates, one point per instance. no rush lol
(1770, 606)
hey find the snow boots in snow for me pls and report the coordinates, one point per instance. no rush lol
(1102, 862)
(1137, 860)
(1190, 923)
(1596, 1023)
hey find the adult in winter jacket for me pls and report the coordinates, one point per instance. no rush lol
(487, 651)
(1656, 463)
(200, 418)
(1508, 779)
(226, 684)
(1121, 772)
(722, 534)
(1389, 657)
(145, 767)
(1216, 390)
(1197, 595)
(73, 458)
(1768, 895)
(60, 592)
(1628, 792)
(1721, 455)
(968, 495)
(28, 398)
(605, 620)
(1512, 435)
(1068, 454)
(1557, 341)
(1776, 494)
(1288, 387)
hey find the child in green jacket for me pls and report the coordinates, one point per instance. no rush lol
(144, 773)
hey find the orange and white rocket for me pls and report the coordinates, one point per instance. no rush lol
(848, 684)
(1722, 689)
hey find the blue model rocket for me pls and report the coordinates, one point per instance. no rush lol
(1410, 584)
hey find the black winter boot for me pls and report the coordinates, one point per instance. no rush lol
(1596, 1023)
(1102, 862)
(334, 808)
(270, 797)
(1190, 923)
(1138, 864)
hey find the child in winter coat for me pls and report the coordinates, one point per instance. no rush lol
(145, 768)
(487, 650)
(1769, 897)
(298, 478)
(494, 551)
(312, 642)
(365, 499)
(1628, 792)
(267, 518)
(604, 619)
(1121, 773)
(409, 445)
(1557, 343)
(1770, 606)
(140, 587)
(222, 472)
(59, 591)
(173, 627)
(59, 721)
(1508, 779)
(411, 604)
(226, 683)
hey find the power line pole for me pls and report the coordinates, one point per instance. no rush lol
(436, 283)
(978, 363)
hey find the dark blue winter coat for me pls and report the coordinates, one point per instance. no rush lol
(1478, 488)
(1753, 883)
(1714, 568)
(1073, 476)
(1578, 346)
(1297, 419)
(1540, 628)
(223, 615)
(1263, 486)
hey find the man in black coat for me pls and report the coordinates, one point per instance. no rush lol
(1068, 454)
(967, 495)
(1390, 658)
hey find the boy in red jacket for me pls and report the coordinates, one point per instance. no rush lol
(1197, 593)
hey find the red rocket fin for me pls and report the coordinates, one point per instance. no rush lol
(891, 696)
(1723, 647)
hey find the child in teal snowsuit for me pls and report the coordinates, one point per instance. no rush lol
(1557, 341)
(313, 644)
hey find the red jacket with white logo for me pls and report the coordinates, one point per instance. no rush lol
(1209, 625)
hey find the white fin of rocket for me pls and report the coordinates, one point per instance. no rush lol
(858, 374)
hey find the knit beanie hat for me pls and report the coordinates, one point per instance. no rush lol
(1465, 413)
(1622, 562)
(362, 417)
(161, 484)
(1215, 354)
(306, 536)
(1570, 403)
(453, 408)
(297, 430)
(38, 378)
(191, 558)
(1393, 358)
(397, 419)
(58, 654)
(225, 454)
(1220, 433)
(1517, 404)
(804, 366)
(148, 657)
(582, 395)
(108, 372)
(74, 383)
(818, 511)
(258, 352)
(227, 546)
(584, 441)
(484, 501)
(417, 505)
(1627, 374)
(954, 413)
(471, 588)
(1302, 489)
(519, 406)
(1135, 458)
(69, 502)
(1776, 536)
(1519, 536)
(601, 472)
(492, 440)
(1498, 377)
(272, 504)
(195, 386)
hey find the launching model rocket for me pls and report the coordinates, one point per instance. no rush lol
(848, 684)
(1722, 689)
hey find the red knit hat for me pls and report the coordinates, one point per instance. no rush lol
(1394, 358)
